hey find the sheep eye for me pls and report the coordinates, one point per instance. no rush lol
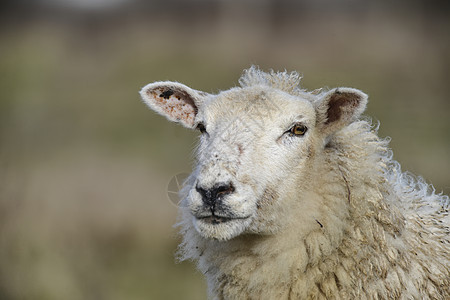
(201, 127)
(298, 130)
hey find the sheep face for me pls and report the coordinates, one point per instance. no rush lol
(257, 145)
(254, 142)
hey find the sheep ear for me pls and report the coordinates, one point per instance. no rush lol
(175, 101)
(340, 107)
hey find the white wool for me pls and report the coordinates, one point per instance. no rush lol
(336, 219)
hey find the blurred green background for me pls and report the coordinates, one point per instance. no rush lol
(84, 165)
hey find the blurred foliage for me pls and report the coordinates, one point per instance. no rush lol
(84, 164)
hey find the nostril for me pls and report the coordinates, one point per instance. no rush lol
(205, 193)
(217, 192)
(223, 190)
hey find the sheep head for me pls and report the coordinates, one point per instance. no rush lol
(257, 149)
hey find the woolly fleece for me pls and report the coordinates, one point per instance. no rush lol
(341, 222)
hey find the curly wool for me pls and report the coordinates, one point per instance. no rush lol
(395, 242)
(382, 234)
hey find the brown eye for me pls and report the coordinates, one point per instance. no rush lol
(298, 130)
(201, 127)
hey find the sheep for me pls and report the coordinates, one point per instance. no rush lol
(294, 196)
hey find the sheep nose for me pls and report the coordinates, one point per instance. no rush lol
(214, 194)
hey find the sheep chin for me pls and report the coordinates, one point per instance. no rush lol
(221, 229)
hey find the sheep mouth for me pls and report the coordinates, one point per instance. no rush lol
(220, 227)
(214, 220)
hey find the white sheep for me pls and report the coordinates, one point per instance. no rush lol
(294, 197)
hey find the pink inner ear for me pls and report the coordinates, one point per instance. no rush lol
(177, 105)
(339, 104)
